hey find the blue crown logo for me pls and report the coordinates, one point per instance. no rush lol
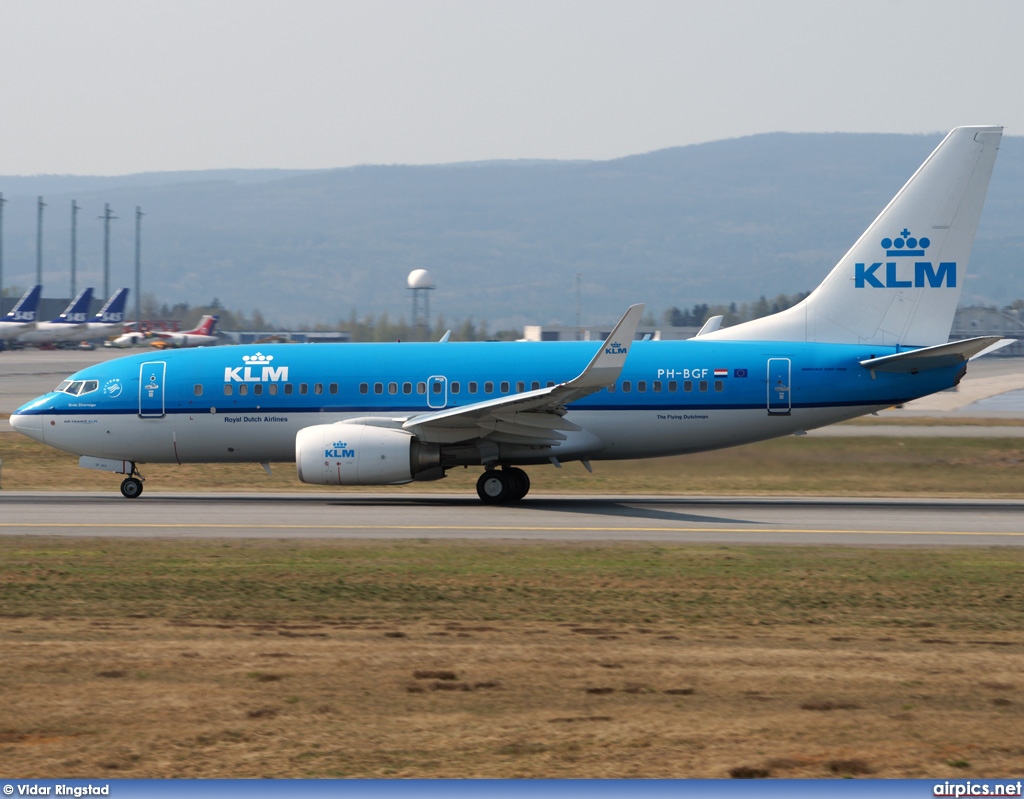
(339, 445)
(905, 244)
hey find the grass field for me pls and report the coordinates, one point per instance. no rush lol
(862, 466)
(433, 659)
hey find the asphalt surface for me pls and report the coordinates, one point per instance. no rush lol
(852, 522)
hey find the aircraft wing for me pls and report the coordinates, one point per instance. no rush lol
(531, 417)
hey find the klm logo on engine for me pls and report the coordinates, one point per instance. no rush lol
(338, 450)
(900, 274)
(257, 369)
(615, 348)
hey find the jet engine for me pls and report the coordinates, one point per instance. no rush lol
(356, 454)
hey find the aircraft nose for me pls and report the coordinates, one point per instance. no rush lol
(29, 424)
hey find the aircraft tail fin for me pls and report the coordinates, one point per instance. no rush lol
(25, 309)
(206, 326)
(77, 311)
(113, 311)
(900, 282)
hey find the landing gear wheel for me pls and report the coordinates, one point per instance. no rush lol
(494, 487)
(520, 483)
(131, 487)
(500, 486)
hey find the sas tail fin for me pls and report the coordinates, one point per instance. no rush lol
(113, 311)
(77, 311)
(25, 309)
(900, 283)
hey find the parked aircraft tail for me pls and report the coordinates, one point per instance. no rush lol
(112, 313)
(206, 326)
(25, 309)
(900, 283)
(77, 311)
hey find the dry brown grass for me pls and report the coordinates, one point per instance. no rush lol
(156, 698)
(413, 659)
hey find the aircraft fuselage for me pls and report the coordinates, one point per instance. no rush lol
(247, 403)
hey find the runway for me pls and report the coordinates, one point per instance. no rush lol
(677, 520)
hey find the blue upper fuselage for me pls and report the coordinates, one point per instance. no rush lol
(408, 378)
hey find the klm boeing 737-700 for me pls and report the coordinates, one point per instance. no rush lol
(872, 335)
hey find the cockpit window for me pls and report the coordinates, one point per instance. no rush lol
(77, 388)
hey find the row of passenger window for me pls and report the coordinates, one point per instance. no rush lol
(271, 388)
(455, 387)
(505, 387)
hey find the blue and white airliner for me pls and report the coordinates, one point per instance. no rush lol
(872, 335)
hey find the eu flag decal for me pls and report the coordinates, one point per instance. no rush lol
(739, 372)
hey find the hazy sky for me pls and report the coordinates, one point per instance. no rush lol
(117, 86)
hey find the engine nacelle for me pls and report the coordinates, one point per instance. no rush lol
(361, 455)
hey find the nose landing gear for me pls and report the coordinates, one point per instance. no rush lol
(131, 486)
(501, 486)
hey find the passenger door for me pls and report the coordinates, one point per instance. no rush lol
(780, 401)
(152, 376)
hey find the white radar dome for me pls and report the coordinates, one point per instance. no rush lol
(420, 279)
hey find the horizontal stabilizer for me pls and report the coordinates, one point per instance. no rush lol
(937, 357)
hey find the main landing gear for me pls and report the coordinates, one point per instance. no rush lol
(500, 486)
(131, 486)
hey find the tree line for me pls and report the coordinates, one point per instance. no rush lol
(733, 313)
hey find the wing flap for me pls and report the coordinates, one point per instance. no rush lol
(537, 420)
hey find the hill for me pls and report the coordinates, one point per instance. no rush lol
(716, 222)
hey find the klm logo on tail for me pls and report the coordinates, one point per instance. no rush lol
(898, 274)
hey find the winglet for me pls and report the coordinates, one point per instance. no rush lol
(710, 326)
(604, 368)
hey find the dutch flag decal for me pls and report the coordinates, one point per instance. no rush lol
(721, 372)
